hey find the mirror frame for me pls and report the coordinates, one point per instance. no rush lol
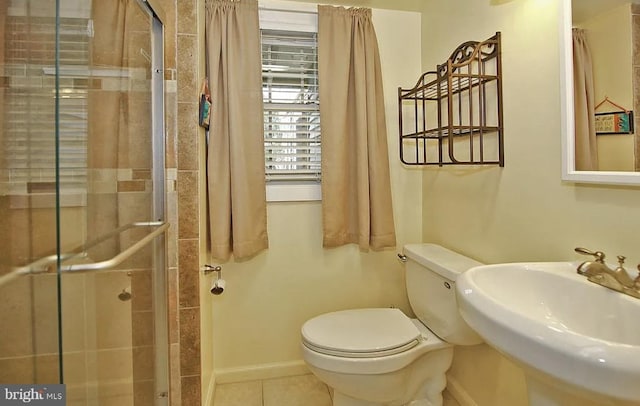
(569, 173)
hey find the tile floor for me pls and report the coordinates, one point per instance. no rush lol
(303, 390)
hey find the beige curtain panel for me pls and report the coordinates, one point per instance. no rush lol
(356, 186)
(235, 159)
(585, 137)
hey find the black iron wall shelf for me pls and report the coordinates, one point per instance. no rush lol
(453, 115)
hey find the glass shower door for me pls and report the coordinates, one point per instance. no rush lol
(112, 296)
(82, 272)
(29, 340)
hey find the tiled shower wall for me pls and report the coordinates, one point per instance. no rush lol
(182, 138)
(182, 134)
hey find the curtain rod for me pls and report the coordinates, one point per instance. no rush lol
(286, 10)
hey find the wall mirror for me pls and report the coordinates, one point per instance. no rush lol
(613, 86)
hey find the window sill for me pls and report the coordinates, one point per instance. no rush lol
(292, 192)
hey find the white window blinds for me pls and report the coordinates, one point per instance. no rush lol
(291, 105)
(29, 103)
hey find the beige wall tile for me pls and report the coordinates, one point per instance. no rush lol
(102, 181)
(173, 314)
(102, 218)
(187, 17)
(114, 366)
(17, 370)
(143, 363)
(190, 341)
(188, 82)
(103, 112)
(188, 204)
(189, 273)
(46, 369)
(141, 290)
(188, 136)
(75, 369)
(190, 388)
(16, 312)
(5, 249)
(74, 295)
(17, 224)
(175, 391)
(91, 330)
(143, 328)
(113, 316)
(171, 130)
(172, 232)
(134, 207)
(77, 395)
(169, 7)
(131, 186)
(3, 15)
(116, 400)
(185, 359)
(45, 311)
(144, 393)
(115, 393)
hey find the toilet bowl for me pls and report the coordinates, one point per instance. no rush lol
(380, 356)
(384, 368)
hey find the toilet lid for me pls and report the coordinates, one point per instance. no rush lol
(361, 333)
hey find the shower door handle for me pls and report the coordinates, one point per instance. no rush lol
(122, 256)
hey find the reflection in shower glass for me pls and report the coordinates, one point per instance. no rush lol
(89, 201)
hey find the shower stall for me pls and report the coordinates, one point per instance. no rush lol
(82, 223)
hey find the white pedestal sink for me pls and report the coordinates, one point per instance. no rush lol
(574, 339)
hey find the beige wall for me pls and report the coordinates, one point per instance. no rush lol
(406, 5)
(517, 213)
(521, 212)
(610, 41)
(256, 322)
(206, 310)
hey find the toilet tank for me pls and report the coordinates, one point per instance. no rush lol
(431, 272)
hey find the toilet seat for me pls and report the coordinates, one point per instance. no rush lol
(361, 333)
(362, 362)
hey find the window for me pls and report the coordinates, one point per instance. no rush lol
(29, 128)
(291, 104)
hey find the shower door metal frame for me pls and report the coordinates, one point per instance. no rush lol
(159, 278)
(158, 176)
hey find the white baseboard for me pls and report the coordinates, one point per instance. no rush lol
(260, 371)
(459, 393)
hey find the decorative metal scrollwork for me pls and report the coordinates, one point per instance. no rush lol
(454, 114)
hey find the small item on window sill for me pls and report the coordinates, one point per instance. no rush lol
(205, 105)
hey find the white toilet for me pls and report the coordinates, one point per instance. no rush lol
(382, 357)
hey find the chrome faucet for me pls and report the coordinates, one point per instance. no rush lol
(617, 279)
